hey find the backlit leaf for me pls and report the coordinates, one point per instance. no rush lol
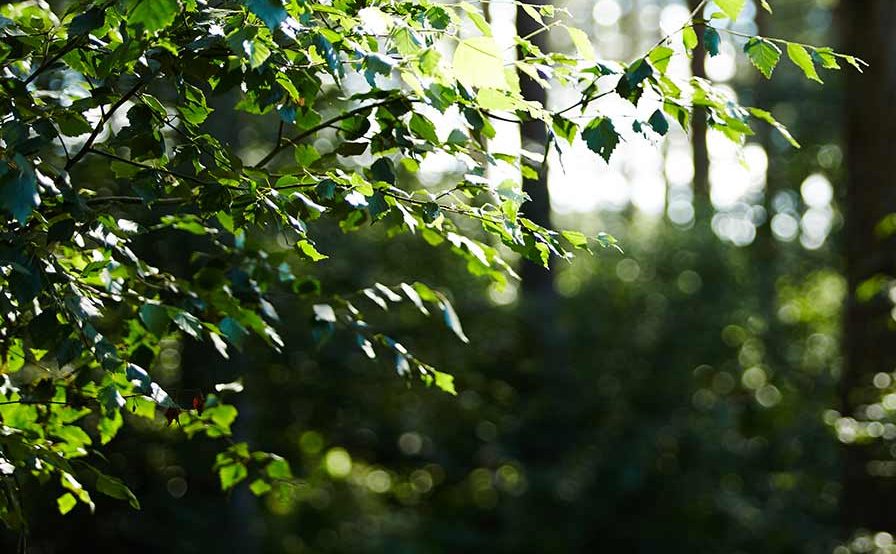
(800, 56)
(763, 54)
(478, 62)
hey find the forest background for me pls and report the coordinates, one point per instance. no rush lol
(723, 383)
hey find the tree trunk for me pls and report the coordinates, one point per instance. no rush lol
(702, 202)
(548, 430)
(538, 293)
(765, 248)
(869, 343)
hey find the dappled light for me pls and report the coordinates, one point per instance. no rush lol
(421, 276)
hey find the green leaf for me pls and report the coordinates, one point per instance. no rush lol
(679, 114)
(406, 41)
(477, 18)
(582, 43)
(608, 241)
(110, 398)
(256, 51)
(73, 124)
(152, 15)
(423, 128)
(383, 171)
(637, 72)
(855, 62)
(731, 8)
(69, 482)
(377, 205)
(711, 41)
(278, 468)
(451, 319)
(142, 407)
(187, 222)
(231, 474)
(269, 11)
(414, 297)
(766, 5)
(222, 415)
(110, 486)
(309, 251)
(306, 154)
(478, 62)
(767, 117)
(325, 47)
(689, 38)
(194, 109)
(155, 318)
(109, 426)
(66, 502)
(601, 137)
(826, 57)
(800, 56)
(187, 322)
(375, 64)
(139, 378)
(533, 13)
(234, 331)
(576, 238)
(659, 58)
(659, 122)
(259, 487)
(85, 22)
(444, 382)
(18, 189)
(763, 54)
(565, 128)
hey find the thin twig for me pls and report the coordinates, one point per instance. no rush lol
(689, 23)
(50, 61)
(177, 174)
(135, 200)
(501, 118)
(99, 126)
(305, 134)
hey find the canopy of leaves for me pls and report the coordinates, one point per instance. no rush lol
(108, 150)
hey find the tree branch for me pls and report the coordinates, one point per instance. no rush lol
(305, 134)
(99, 126)
(134, 200)
(53, 59)
(177, 174)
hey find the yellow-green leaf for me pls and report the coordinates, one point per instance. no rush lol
(660, 56)
(731, 8)
(767, 117)
(477, 18)
(478, 62)
(689, 38)
(66, 502)
(763, 54)
(581, 42)
(800, 56)
(152, 15)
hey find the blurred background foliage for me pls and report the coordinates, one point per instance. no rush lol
(677, 397)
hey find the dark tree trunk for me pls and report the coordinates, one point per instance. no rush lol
(537, 282)
(698, 131)
(869, 342)
(549, 430)
(765, 248)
